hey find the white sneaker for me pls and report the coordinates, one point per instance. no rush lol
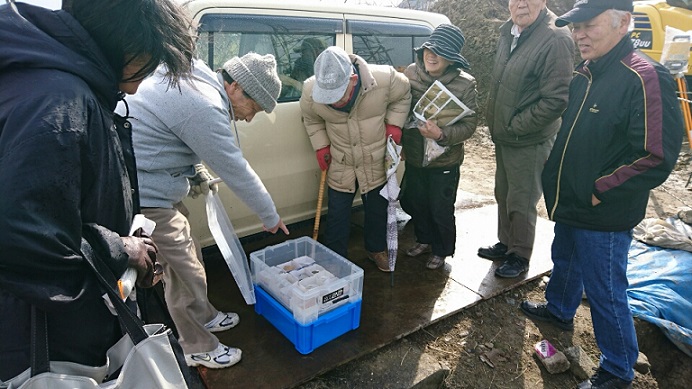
(222, 356)
(223, 321)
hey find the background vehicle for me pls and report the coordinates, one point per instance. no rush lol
(650, 20)
(276, 144)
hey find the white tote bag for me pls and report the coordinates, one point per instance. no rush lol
(147, 356)
(150, 363)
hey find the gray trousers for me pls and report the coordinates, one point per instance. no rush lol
(184, 278)
(517, 191)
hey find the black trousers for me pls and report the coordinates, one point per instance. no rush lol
(339, 220)
(428, 195)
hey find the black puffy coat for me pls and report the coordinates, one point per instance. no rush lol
(620, 137)
(64, 183)
(528, 86)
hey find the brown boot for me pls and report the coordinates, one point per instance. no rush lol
(381, 259)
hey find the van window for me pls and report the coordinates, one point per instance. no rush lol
(387, 43)
(294, 41)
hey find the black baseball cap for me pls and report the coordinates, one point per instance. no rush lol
(584, 10)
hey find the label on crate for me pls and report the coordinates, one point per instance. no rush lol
(335, 295)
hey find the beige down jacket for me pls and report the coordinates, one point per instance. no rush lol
(357, 138)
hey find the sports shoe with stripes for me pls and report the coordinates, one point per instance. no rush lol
(223, 356)
(223, 321)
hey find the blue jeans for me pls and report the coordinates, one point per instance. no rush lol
(339, 220)
(596, 262)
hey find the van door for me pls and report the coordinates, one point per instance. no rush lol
(276, 144)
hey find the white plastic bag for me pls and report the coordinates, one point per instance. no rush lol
(676, 50)
(432, 151)
(392, 156)
(229, 245)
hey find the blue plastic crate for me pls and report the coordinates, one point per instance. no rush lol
(275, 270)
(307, 338)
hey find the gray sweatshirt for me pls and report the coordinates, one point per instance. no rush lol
(174, 129)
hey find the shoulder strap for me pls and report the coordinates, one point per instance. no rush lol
(39, 342)
(130, 321)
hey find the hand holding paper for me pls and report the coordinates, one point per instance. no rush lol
(142, 252)
(437, 108)
(438, 99)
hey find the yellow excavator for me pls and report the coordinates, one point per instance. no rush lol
(649, 34)
(650, 20)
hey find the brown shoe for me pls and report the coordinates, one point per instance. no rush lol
(381, 259)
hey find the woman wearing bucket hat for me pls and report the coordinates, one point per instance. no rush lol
(429, 191)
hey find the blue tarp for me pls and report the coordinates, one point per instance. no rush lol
(660, 290)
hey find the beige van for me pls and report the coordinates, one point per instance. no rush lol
(276, 144)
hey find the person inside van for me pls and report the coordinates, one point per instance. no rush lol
(174, 129)
(429, 190)
(303, 67)
(349, 109)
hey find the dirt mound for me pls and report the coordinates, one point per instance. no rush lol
(480, 21)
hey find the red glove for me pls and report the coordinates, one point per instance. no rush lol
(324, 157)
(394, 131)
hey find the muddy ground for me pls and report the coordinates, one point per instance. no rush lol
(497, 328)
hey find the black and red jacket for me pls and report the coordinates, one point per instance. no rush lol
(620, 137)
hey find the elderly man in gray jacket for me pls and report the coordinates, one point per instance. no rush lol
(528, 92)
(173, 130)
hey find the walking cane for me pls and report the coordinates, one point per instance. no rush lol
(318, 212)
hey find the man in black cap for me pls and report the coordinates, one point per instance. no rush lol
(620, 138)
(530, 79)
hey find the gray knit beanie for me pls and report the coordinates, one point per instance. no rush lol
(257, 75)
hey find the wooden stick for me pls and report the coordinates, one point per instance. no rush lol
(318, 212)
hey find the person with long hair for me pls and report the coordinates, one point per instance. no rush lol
(69, 183)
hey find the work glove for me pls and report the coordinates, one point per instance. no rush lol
(199, 183)
(324, 157)
(394, 131)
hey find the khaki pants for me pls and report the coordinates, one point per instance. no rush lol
(517, 191)
(184, 278)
